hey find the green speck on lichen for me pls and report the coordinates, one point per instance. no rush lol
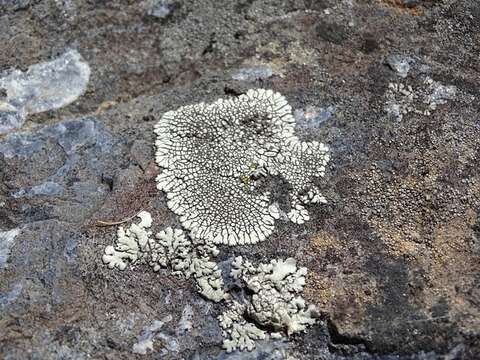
(245, 179)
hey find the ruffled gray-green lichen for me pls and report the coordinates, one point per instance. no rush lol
(169, 248)
(207, 152)
(173, 248)
(275, 303)
(131, 243)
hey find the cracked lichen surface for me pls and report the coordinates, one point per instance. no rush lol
(212, 155)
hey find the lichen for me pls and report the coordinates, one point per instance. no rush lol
(207, 151)
(274, 303)
(173, 248)
(238, 333)
(422, 100)
(131, 243)
(212, 157)
(169, 248)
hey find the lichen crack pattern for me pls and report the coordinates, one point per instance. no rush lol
(212, 153)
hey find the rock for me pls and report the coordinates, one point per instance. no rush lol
(393, 258)
(10, 119)
(48, 188)
(6, 242)
(78, 152)
(400, 64)
(142, 152)
(313, 116)
(159, 8)
(145, 341)
(185, 324)
(43, 87)
(258, 72)
(266, 350)
(410, 3)
(15, 5)
(9, 297)
(331, 32)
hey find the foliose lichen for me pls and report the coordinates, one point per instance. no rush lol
(404, 99)
(169, 248)
(131, 244)
(238, 333)
(275, 303)
(173, 248)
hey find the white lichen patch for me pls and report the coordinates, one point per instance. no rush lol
(174, 249)
(275, 303)
(131, 243)
(169, 248)
(211, 155)
(404, 99)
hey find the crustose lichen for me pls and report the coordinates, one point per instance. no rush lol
(207, 151)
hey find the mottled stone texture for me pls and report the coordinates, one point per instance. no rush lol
(393, 258)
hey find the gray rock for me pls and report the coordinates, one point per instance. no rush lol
(142, 152)
(10, 119)
(398, 237)
(15, 5)
(400, 64)
(258, 72)
(78, 153)
(10, 296)
(43, 87)
(185, 324)
(159, 8)
(410, 3)
(265, 350)
(6, 241)
(312, 116)
(147, 338)
(48, 188)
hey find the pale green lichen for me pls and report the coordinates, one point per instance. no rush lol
(169, 248)
(130, 245)
(238, 333)
(275, 303)
(211, 154)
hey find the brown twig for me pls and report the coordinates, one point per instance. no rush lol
(113, 223)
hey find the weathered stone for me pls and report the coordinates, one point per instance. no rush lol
(393, 258)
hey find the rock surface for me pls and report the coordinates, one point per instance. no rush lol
(393, 258)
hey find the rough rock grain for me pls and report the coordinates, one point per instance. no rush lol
(393, 258)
